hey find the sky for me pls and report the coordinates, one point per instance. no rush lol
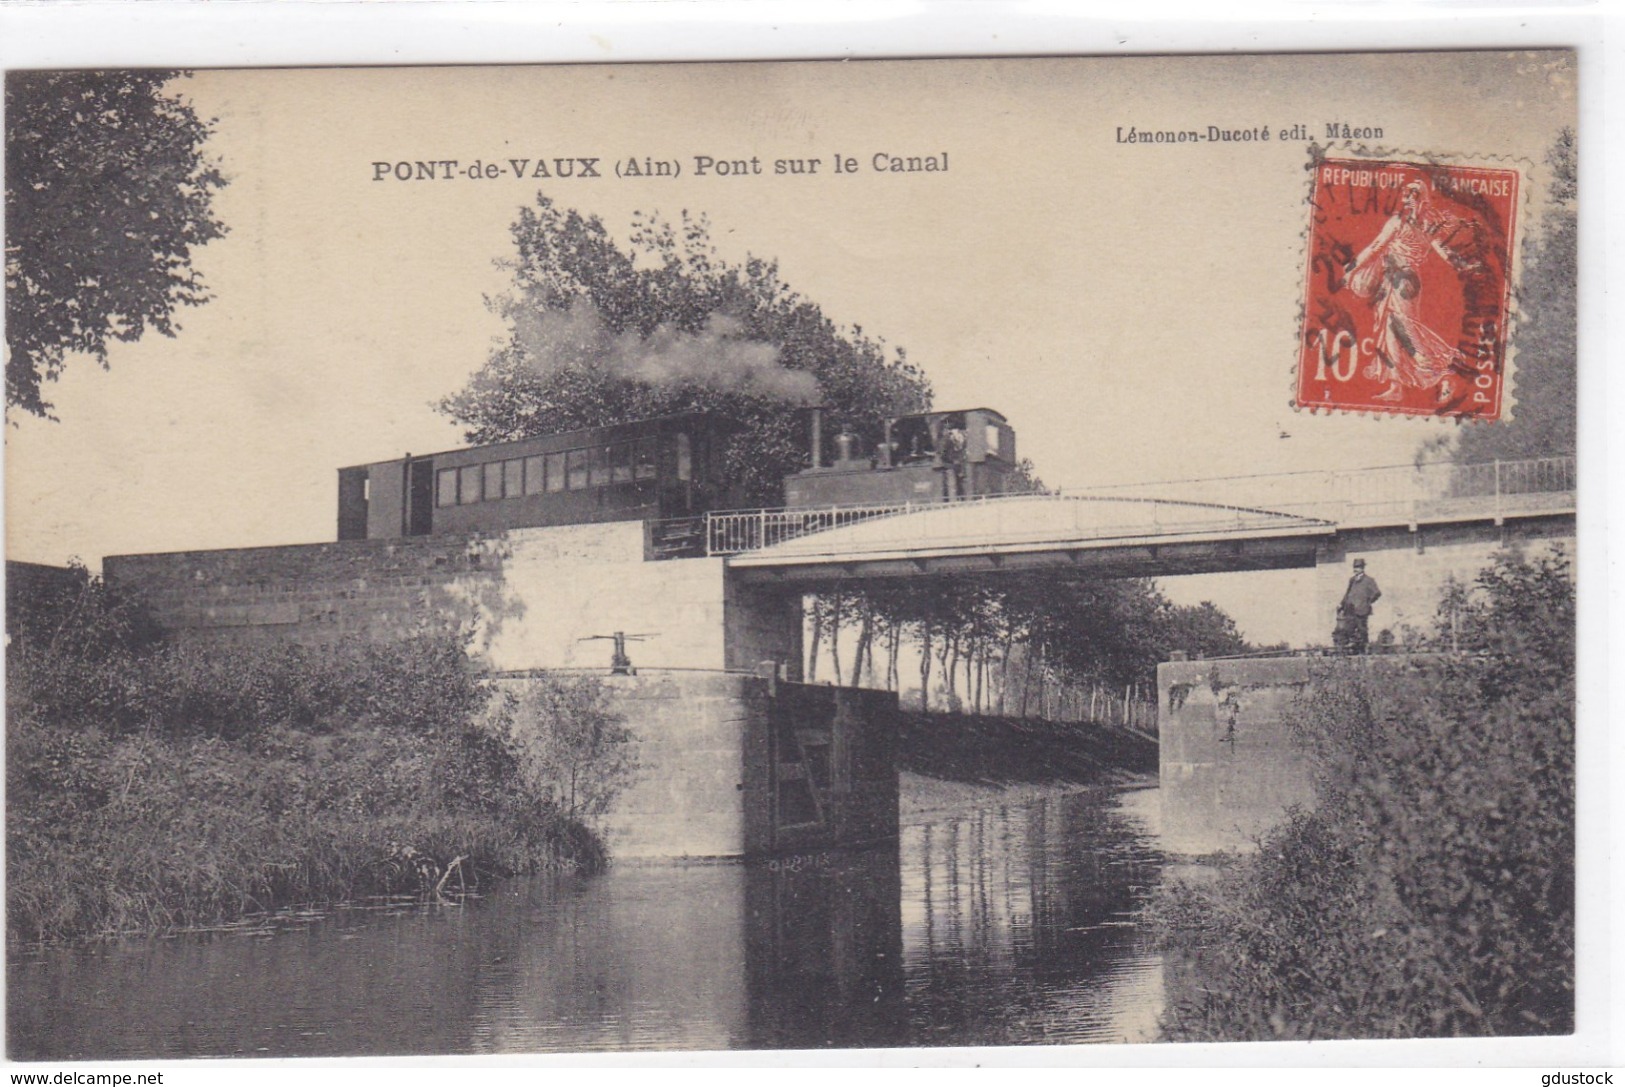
(1132, 308)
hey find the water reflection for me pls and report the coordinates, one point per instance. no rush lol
(999, 926)
(825, 953)
(1019, 925)
(643, 958)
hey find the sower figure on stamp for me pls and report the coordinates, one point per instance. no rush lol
(1353, 632)
(1390, 273)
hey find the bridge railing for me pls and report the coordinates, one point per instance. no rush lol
(729, 532)
(1398, 493)
(1395, 494)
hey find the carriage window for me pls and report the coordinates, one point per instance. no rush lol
(576, 469)
(445, 487)
(493, 480)
(535, 475)
(599, 465)
(993, 441)
(644, 459)
(685, 459)
(620, 463)
(513, 478)
(468, 485)
(555, 472)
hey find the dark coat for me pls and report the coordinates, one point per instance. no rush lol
(1361, 594)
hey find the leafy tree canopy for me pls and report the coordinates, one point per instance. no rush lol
(107, 193)
(1118, 631)
(601, 333)
(1113, 631)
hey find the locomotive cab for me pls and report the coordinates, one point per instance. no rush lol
(938, 456)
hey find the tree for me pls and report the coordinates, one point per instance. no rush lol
(1543, 420)
(107, 193)
(1014, 633)
(572, 745)
(1204, 630)
(601, 333)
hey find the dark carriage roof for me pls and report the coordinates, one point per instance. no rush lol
(951, 411)
(649, 421)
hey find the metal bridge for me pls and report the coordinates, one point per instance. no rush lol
(1171, 527)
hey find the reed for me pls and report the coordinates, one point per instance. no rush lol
(151, 787)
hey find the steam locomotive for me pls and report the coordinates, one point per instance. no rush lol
(667, 469)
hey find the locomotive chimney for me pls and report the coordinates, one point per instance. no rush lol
(844, 441)
(406, 495)
(815, 420)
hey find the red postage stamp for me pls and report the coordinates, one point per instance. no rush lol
(1407, 289)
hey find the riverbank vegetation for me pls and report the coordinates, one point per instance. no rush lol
(1431, 890)
(152, 786)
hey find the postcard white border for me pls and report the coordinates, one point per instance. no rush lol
(275, 33)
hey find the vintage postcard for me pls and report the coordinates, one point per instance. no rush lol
(790, 555)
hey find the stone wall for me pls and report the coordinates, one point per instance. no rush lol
(714, 750)
(527, 596)
(695, 792)
(33, 588)
(762, 623)
(530, 600)
(1413, 567)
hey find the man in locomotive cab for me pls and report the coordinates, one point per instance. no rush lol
(932, 456)
(912, 440)
(886, 449)
(953, 455)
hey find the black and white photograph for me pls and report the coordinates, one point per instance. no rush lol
(792, 555)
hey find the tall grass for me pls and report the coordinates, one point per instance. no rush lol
(150, 787)
(1431, 890)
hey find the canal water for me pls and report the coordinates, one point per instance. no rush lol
(1006, 924)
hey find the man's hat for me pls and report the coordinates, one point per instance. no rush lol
(1359, 564)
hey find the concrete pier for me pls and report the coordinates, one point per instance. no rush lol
(731, 765)
(1230, 763)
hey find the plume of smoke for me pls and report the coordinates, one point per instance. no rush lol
(716, 357)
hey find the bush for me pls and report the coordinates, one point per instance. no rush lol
(70, 610)
(418, 685)
(150, 786)
(1431, 892)
(571, 746)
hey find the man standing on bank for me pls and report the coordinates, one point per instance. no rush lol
(1354, 613)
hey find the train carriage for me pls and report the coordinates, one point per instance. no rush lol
(649, 470)
(666, 471)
